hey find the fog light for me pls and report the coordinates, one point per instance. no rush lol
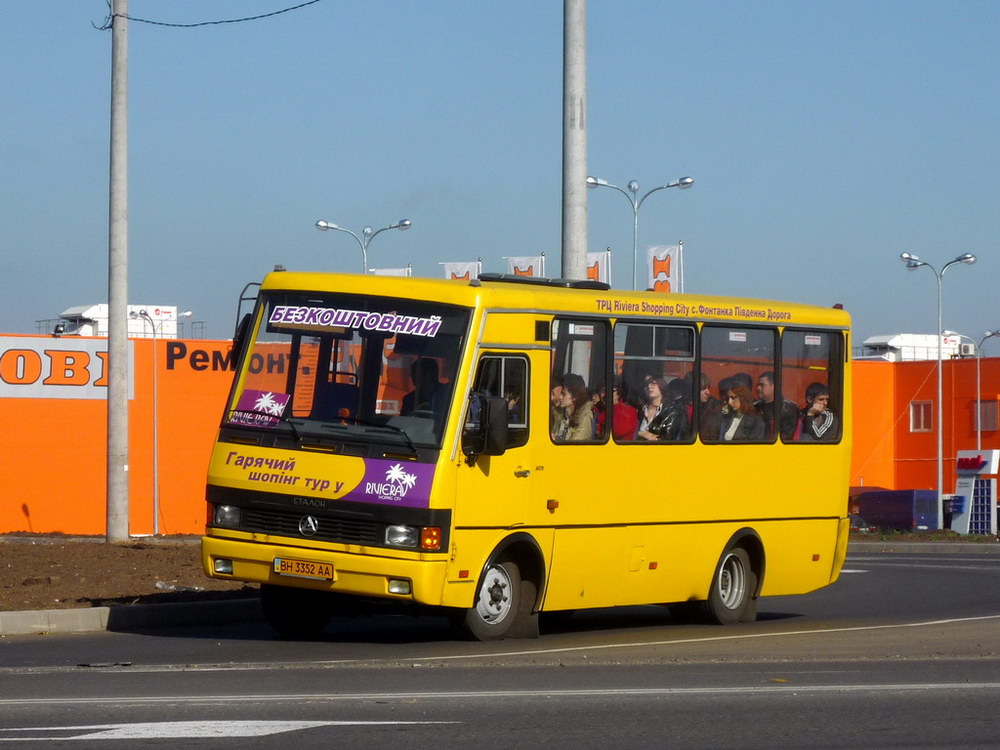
(227, 515)
(402, 536)
(223, 566)
(399, 586)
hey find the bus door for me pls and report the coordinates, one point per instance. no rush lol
(492, 490)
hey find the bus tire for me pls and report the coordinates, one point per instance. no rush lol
(734, 587)
(498, 601)
(296, 614)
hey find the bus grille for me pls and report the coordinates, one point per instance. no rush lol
(330, 529)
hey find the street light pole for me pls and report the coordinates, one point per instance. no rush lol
(368, 235)
(145, 316)
(633, 187)
(912, 263)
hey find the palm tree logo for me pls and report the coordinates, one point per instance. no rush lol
(399, 477)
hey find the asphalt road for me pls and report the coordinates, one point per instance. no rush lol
(904, 651)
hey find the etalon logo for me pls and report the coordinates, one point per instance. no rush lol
(397, 483)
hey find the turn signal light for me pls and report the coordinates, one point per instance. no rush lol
(430, 537)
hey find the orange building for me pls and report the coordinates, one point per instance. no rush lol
(53, 428)
(895, 419)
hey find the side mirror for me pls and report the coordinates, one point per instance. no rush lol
(485, 431)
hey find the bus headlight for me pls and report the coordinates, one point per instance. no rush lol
(402, 536)
(226, 515)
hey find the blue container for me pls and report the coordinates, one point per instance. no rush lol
(907, 510)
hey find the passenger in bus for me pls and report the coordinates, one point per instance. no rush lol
(577, 410)
(557, 415)
(663, 415)
(711, 410)
(428, 394)
(740, 421)
(599, 406)
(767, 407)
(624, 417)
(817, 422)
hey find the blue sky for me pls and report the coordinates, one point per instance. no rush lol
(824, 139)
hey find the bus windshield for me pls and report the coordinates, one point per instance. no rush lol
(351, 367)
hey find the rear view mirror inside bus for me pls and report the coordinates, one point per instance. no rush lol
(485, 432)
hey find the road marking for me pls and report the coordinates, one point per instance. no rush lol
(421, 660)
(174, 730)
(299, 700)
(845, 570)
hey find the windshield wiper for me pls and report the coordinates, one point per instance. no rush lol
(368, 423)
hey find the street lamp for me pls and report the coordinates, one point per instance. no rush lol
(368, 234)
(913, 263)
(633, 187)
(145, 316)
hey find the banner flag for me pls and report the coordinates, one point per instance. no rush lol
(599, 266)
(408, 271)
(663, 265)
(463, 271)
(526, 265)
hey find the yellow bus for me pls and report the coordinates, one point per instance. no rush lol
(508, 446)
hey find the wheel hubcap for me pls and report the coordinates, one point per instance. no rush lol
(494, 597)
(732, 582)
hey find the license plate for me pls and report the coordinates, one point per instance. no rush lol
(303, 569)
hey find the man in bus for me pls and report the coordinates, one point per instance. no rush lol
(819, 424)
(766, 406)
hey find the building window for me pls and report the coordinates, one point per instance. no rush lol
(987, 416)
(921, 416)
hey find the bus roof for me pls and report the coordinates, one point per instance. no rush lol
(511, 296)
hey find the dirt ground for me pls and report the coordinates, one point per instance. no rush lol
(60, 573)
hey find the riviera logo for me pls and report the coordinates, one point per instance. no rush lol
(397, 483)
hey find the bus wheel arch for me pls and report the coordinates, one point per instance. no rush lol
(507, 593)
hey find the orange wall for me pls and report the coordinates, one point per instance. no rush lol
(874, 416)
(54, 449)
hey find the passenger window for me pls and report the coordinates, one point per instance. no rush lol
(507, 377)
(812, 378)
(654, 383)
(735, 361)
(578, 384)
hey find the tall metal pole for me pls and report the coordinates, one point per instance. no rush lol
(118, 371)
(940, 409)
(574, 185)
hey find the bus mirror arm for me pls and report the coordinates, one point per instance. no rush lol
(486, 427)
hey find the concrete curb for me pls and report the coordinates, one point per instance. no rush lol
(132, 617)
(941, 548)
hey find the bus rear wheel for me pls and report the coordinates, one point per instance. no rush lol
(296, 614)
(734, 586)
(498, 600)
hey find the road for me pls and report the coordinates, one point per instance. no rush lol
(903, 651)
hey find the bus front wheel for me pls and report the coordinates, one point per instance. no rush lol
(498, 600)
(296, 614)
(734, 586)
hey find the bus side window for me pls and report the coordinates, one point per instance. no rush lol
(812, 378)
(734, 363)
(507, 377)
(654, 379)
(578, 381)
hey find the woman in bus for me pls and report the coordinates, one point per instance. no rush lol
(577, 407)
(624, 418)
(740, 421)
